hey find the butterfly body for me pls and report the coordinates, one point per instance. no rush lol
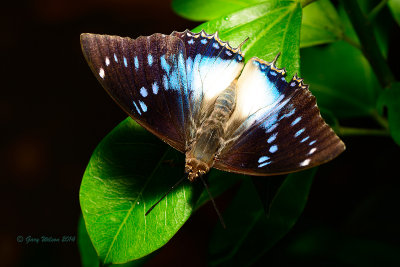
(210, 136)
(194, 92)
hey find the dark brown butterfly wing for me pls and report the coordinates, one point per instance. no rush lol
(146, 77)
(281, 129)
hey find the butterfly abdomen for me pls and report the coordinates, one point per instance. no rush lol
(200, 157)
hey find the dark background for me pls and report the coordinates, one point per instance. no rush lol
(53, 114)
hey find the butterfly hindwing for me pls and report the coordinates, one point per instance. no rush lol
(146, 77)
(278, 128)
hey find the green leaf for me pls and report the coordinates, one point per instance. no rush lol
(128, 172)
(272, 27)
(320, 24)
(201, 10)
(394, 6)
(340, 76)
(341, 79)
(390, 99)
(88, 253)
(251, 234)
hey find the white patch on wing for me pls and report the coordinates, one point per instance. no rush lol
(210, 75)
(305, 163)
(255, 91)
(102, 73)
(312, 151)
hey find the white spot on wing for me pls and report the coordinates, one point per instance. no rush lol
(312, 151)
(305, 163)
(155, 88)
(102, 73)
(273, 149)
(143, 106)
(262, 159)
(215, 45)
(272, 138)
(107, 61)
(264, 164)
(143, 92)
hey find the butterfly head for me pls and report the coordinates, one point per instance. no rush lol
(195, 168)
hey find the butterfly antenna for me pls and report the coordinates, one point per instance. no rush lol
(240, 46)
(213, 202)
(169, 191)
(276, 58)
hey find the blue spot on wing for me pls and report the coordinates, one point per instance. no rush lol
(155, 88)
(150, 59)
(262, 159)
(143, 106)
(137, 108)
(136, 61)
(166, 67)
(273, 149)
(299, 132)
(125, 62)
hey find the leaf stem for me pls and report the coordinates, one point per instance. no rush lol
(350, 41)
(350, 131)
(381, 120)
(305, 3)
(375, 11)
(362, 26)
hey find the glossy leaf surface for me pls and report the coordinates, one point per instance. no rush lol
(321, 24)
(128, 172)
(201, 10)
(272, 27)
(89, 256)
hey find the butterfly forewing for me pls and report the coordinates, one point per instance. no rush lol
(146, 77)
(280, 134)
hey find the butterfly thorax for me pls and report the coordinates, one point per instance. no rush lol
(209, 136)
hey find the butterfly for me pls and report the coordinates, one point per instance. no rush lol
(195, 93)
